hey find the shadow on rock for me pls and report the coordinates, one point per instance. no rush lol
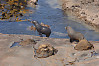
(27, 42)
(23, 43)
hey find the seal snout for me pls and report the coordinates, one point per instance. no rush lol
(42, 28)
(33, 22)
(34, 2)
(66, 28)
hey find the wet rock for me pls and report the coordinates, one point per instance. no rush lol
(95, 54)
(15, 44)
(33, 28)
(83, 45)
(44, 50)
(27, 42)
(45, 25)
(90, 9)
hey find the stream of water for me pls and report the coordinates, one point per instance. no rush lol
(49, 12)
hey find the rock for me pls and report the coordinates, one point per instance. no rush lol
(44, 50)
(90, 9)
(27, 42)
(83, 45)
(66, 55)
(45, 25)
(33, 28)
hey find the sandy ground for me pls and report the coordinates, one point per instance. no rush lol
(85, 10)
(24, 55)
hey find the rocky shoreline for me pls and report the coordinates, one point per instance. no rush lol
(85, 10)
(24, 55)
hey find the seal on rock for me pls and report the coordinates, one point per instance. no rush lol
(74, 36)
(44, 50)
(42, 29)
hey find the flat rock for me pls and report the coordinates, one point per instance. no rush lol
(24, 55)
(27, 42)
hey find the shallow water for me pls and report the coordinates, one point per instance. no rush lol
(49, 12)
(15, 44)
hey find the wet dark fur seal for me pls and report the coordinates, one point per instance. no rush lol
(42, 29)
(74, 36)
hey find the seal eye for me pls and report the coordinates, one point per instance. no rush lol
(34, 21)
(66, 28)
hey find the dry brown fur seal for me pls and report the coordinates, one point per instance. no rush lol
(74, 36)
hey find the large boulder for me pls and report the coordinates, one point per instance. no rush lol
(83, 45)
(44, 50)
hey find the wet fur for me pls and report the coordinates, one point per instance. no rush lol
(42, 29)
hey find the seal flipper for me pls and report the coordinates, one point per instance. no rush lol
(40, 34)
(71, 40)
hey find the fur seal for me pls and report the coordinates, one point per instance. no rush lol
(42, 29)
(74, 36)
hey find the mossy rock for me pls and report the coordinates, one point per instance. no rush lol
(83, 45)
(44, 50)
